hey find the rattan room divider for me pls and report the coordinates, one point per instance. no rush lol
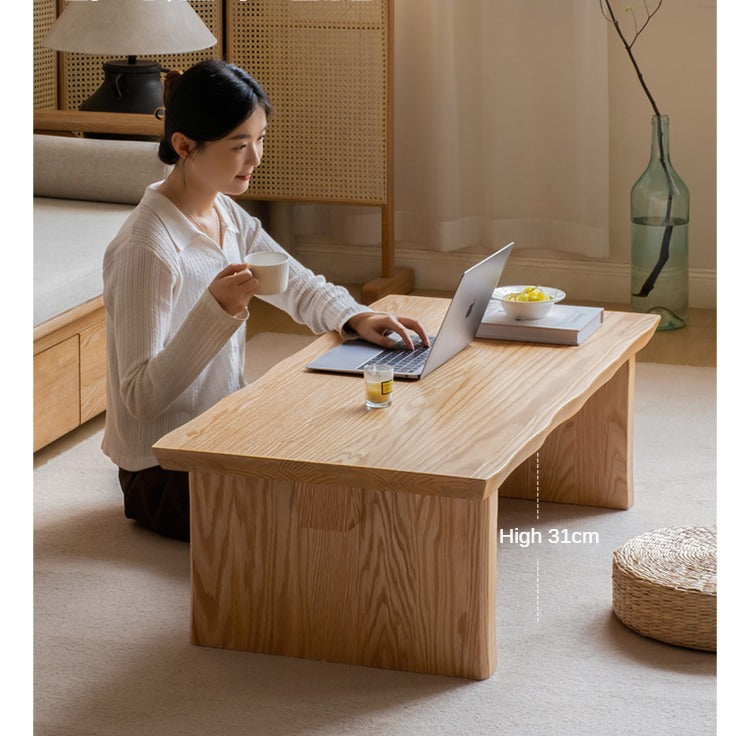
(328, 69)
(45, 59)
(327, 66)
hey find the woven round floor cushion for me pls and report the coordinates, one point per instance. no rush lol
(664, 586)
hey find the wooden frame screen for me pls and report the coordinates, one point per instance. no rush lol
(325, 67)
(328, 69)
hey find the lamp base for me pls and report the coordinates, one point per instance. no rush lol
(132, 87)
(129, 86)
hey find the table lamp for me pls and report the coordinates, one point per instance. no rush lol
(129, 28)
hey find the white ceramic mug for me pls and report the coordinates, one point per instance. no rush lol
(271, 269)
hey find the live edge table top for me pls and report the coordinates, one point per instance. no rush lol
(459, 432)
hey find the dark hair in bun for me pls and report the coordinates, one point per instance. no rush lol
(207, 102)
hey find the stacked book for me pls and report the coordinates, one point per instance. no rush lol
(564, 324)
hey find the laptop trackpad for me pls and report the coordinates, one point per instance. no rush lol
(346, 357)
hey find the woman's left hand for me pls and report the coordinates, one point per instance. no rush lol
(379, 328)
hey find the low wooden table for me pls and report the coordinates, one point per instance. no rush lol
(324, 531)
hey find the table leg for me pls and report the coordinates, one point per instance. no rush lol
(588, 459)
(351, 575)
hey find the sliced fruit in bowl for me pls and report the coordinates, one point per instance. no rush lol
(528, 302)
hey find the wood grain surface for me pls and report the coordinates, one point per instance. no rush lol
(86, 121)
(57, 407)
(358, 576)
(93, 370)
(587, 459)
(458, 432)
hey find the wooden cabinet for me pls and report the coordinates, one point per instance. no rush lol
(57, 406)
(69, 371)
(93, 359)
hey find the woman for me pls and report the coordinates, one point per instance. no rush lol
(177, 291)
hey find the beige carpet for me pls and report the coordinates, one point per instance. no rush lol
(112, 655)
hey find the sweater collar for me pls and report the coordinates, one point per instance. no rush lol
(179, 225)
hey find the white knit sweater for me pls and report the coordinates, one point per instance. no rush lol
(172, 351)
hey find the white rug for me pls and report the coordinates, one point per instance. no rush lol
(112, 655)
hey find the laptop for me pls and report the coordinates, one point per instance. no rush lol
(458, 329)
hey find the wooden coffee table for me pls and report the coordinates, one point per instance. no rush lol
(324, 531)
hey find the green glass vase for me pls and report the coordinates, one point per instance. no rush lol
(659, 217)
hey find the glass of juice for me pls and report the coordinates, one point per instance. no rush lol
(378, 386)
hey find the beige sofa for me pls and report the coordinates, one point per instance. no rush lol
(84, 189)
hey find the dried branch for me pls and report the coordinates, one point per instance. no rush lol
(612, 18)
(649, 15)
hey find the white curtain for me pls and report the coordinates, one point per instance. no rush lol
(502, 130)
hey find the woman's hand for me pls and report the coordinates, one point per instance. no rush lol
(233, 288)
(379, 328)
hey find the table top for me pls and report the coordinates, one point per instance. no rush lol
(458, 432)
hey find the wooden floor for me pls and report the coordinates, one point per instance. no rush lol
(692, 345)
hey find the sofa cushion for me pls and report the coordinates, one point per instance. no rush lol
(94, 169)
(70, 238)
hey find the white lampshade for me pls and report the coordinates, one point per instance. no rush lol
(129, 28)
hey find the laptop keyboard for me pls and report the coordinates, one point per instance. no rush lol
(402, 360)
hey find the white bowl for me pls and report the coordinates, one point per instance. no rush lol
(527, 310)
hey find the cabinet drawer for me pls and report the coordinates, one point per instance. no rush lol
(93, 371)
(56, 391)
